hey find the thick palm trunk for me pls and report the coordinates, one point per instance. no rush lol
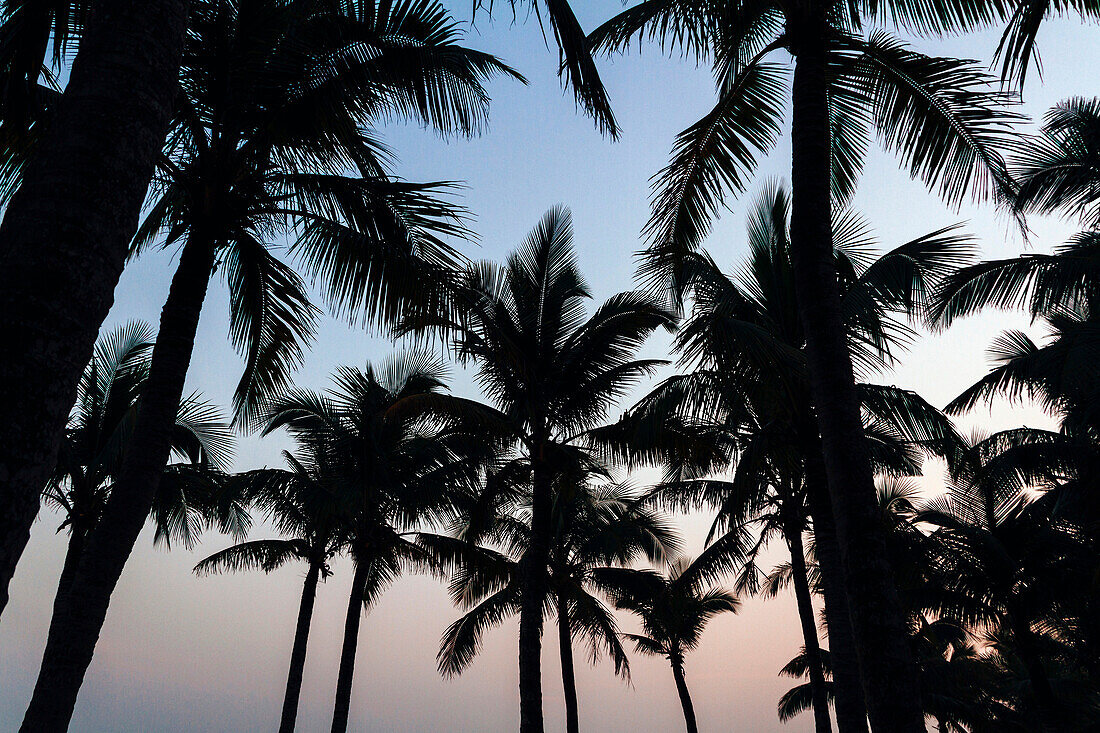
(73, 551)
(851, 713)
(64, 237)
(685, 698)
(890, 678)
(342, 708)
(820, 697)
(298, 653)
(568, 676)
(532, 594)
(79, 616)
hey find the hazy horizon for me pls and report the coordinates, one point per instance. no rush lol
(181, 653)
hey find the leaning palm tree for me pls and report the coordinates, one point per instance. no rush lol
(259, 147)
(398, 452)
(310, 515)
(64, 234)
(939, 115)
(597, 522)
(674, 609)
(190, 497)
(553, 373)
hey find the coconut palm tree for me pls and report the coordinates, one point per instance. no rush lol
(1004, 564)
(189, 497)
(939, 115)
(259, 147)
(674, 610)
(310, 514)
(65, 231)
(553, 372)
(748, 384)
(396, 450)
(597, 522)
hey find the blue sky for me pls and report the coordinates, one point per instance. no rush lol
(179, 653)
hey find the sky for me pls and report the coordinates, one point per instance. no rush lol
(182, 653)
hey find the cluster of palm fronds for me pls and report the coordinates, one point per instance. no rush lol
(974, 603)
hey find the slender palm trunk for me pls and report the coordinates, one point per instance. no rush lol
(298, 653)
(820, 697)
(685, 698)
(568, 677)
(64, 237)
(79, 616)
(851, 713)
(342, 709)
(534, 585)
(890, 678)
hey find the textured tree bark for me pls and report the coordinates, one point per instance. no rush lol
(65, 233)
(890, 680)
(342, 709)
(685, 698)
(533, 589)
(822, 724)
(79, 615)
(568, 676)
(298, 653)
(851, 713)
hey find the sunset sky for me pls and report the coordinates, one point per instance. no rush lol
(181, 653)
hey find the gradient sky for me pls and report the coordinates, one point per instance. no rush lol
(180, 653)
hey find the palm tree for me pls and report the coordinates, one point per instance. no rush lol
(399, 453)
(597, 522)
(263, 135)
(64, 235)
(310, 514)
(99, 432)
(1004, 564)
(937, 114)
(747, 396)
(553, 374)
(674, 609)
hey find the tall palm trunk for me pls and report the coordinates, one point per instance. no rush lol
(79, 615)
(342, 709)
(820, 697)
(568, 677)
(64, 237)
(685, 698)
(851, 713)
(534, 585)
(890, 680)
(298, 653)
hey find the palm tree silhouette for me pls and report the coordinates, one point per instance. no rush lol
(674, 609)
(748, 397)
(397, 451)
(264, 132)
(597, 522)
(190, 497)
(65, 230)
(553, 374)
(937, 114)
(310, 514)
